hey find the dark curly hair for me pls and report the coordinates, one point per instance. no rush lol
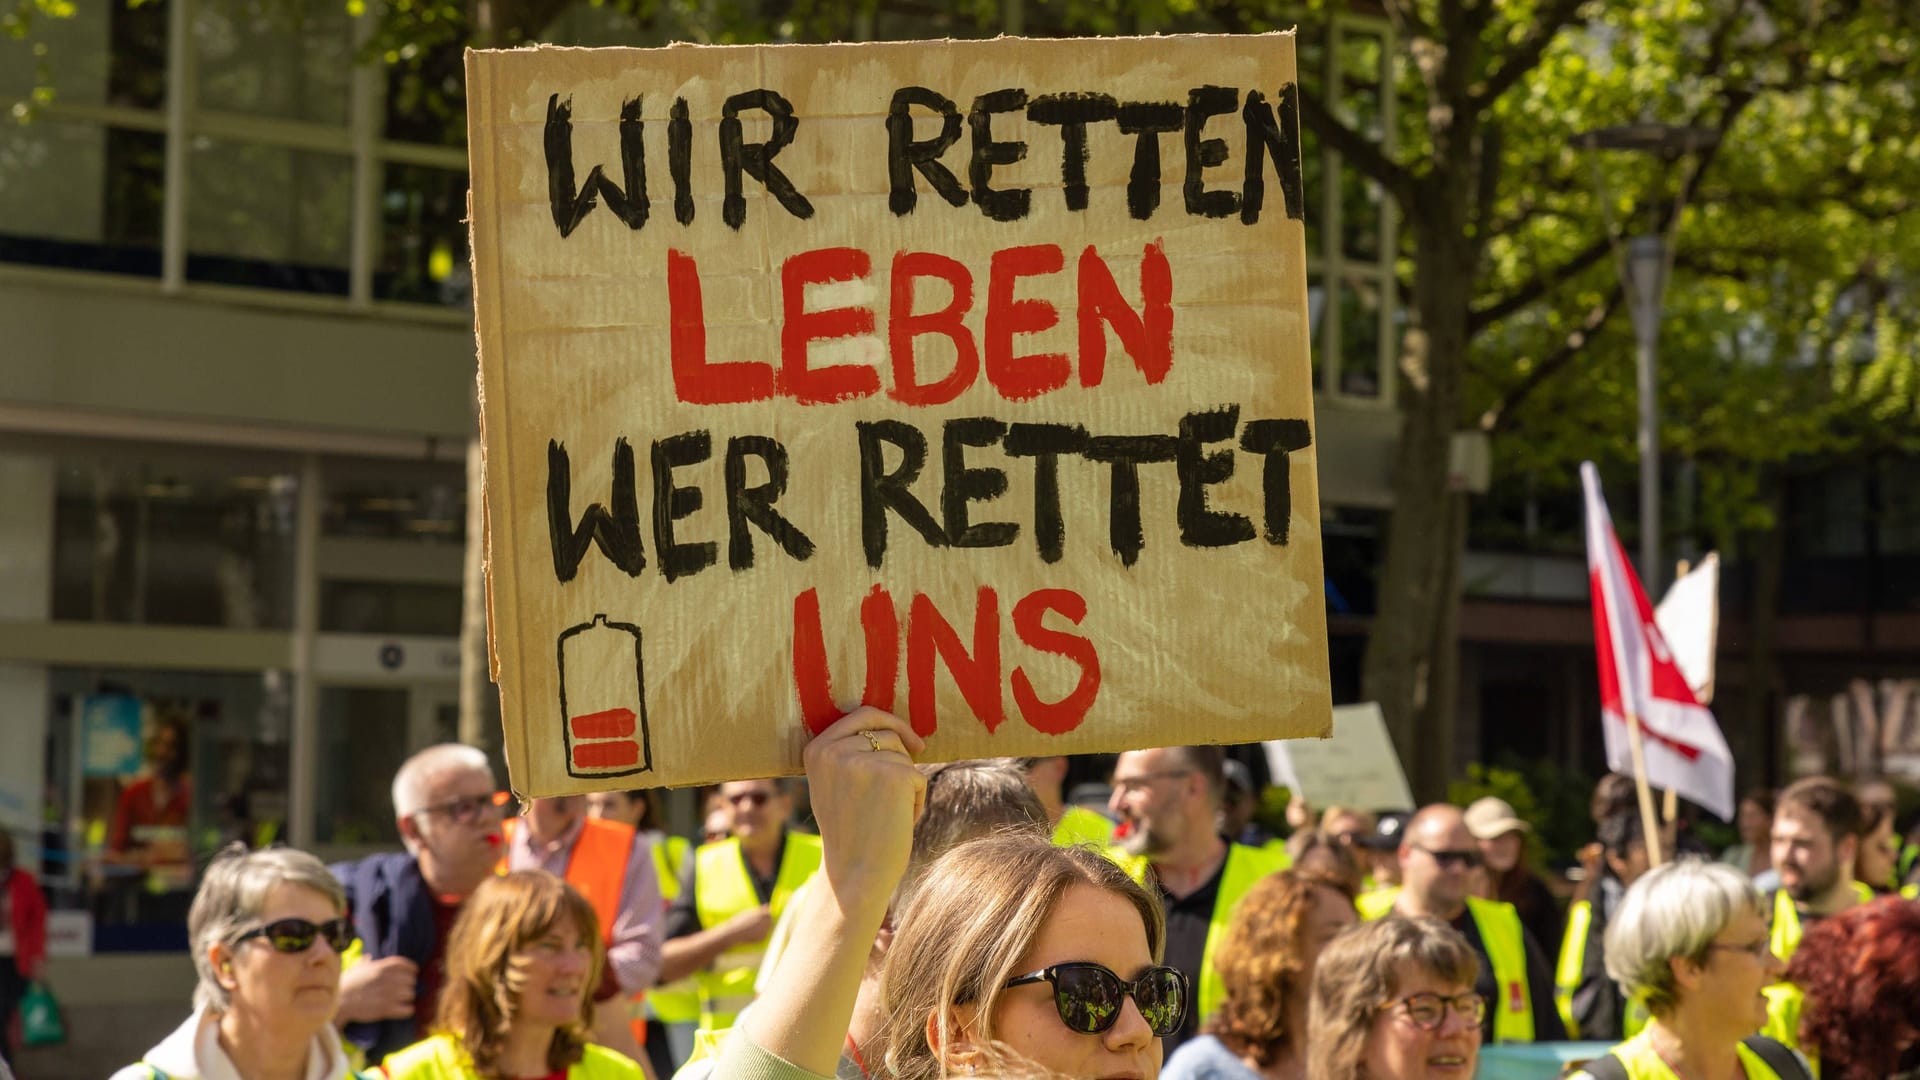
(1262, 960)
(1862, 988)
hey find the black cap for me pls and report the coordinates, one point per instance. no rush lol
(1386, 831)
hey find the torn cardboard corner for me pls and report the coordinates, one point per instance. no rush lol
(966, 379)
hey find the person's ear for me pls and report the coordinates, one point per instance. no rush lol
(220, 958)
(1686, 971)
(956, 1050)
(1849, 850)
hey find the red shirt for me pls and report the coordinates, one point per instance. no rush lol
(434, 975)
(140, 809)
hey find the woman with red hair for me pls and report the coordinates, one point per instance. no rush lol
(1861, 988)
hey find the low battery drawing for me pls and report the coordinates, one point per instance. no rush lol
(603, 700)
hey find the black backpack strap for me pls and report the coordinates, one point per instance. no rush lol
(1779, 1057)
(1605, 1067)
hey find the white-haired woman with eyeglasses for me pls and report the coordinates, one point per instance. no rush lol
(267, 929)
(1690, 940)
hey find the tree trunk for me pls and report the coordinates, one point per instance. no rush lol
(1412, 660)
(1760, 715)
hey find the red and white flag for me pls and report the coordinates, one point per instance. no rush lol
(1684, 749)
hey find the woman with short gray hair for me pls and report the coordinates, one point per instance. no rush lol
(267, 929)
(1690, 941)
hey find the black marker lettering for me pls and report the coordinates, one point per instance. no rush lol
(754, 505)
(904, 154)
(673, 503)
(756, 159)
(1127, 453)
(1010, 205)
(571, 205)
(1044, 443)
(680, 160)
(1200, 526)
(961, 485)
(1072, 113)
(1275, 439)
(881, 491)
(617, 533)
(1273, 137)
(1204, 102)
(1146, 120)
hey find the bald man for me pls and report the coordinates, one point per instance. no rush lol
(1437, 859)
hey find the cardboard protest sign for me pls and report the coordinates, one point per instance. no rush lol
(968, 379)
(1357, 767)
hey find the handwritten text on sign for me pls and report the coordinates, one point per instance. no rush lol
(813, 374)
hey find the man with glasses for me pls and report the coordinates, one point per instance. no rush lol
(1437, 858)
(730, 894)
(403, 903)
(1168, 800)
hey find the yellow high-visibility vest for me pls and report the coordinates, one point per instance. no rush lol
(441, 1057)
(1079, 825)
(1784, 938)
(676, 1002)
(723, 889)
(1244, 868)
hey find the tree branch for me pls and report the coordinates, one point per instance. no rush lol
(1496, 415)
(1356, 149)
(1538, 286)
(1525, 56)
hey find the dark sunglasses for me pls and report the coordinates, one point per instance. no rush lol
(298, 935)
(472, 808)
(1450, 859)
(1089, 997)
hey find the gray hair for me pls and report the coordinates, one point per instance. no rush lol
(416, 774)
(1674, 911)
(231, 898)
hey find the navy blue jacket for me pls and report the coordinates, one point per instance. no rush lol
(393, 913)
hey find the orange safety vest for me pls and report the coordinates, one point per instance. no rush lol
(597, 866)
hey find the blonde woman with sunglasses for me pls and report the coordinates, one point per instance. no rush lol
(267, 930)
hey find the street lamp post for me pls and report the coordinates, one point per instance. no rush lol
(1644, 262)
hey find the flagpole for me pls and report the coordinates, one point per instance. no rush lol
(1636, 746)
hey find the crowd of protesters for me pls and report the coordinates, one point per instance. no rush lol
(970, 918)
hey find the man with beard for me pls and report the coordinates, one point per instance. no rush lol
(1816, 839)
(1167, 800)
(1437, 859)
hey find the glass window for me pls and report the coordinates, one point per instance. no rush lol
(396, 500)
(1360, 360)
(381, 607)
(100, 54)
(150, 773)
(423, 237)
(1360, 217)
(81, 197)
(269, 216)
(174, 541)
(288, 59)
(365, 734)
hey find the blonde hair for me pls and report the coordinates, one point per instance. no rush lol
(1358, 973)
(972, 917)
(481, 996)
